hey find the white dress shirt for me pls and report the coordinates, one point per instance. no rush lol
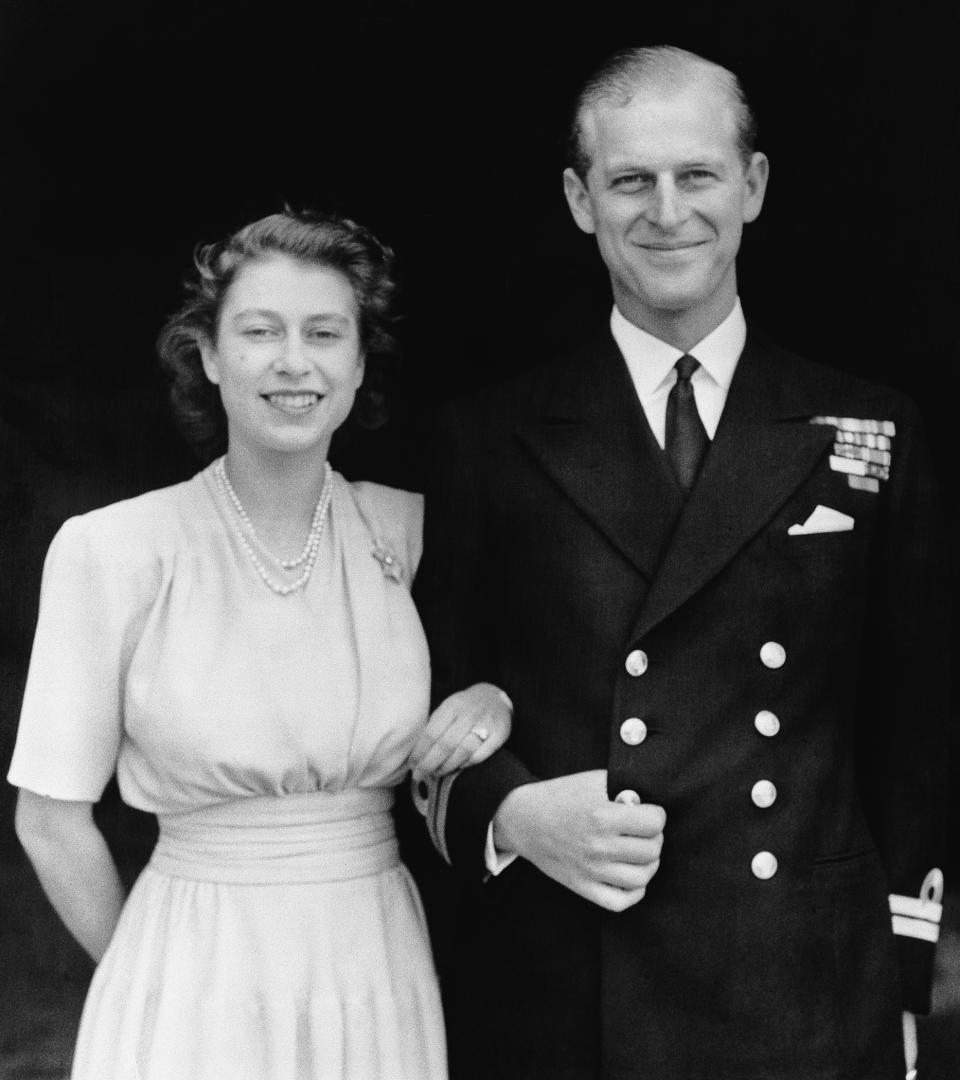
(651, 363)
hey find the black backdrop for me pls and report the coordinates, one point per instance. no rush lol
(131, 131)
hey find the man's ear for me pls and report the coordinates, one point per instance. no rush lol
(578, 199)
(757, 173)
(208, 357)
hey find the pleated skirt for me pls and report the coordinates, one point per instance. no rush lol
(269, 939)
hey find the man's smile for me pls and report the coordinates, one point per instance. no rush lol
(671, 246)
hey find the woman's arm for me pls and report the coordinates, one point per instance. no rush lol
(74, 866)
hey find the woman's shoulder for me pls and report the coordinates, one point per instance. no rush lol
(394, 518)
(392, 503)
(133, 530)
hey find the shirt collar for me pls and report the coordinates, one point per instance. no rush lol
(651, 360)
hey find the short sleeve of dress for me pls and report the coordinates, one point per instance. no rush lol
(71, 721)
(395, 520)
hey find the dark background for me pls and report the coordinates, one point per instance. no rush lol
(131, 132)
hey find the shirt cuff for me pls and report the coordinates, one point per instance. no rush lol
(496, 861)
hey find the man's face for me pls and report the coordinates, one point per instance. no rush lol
(667, 196)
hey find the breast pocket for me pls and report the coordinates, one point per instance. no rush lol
(824, 545)
(823, 568)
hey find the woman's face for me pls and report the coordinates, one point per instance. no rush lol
(287, 355)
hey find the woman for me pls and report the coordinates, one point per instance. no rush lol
(243, 651)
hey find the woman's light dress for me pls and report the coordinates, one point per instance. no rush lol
(274, 935)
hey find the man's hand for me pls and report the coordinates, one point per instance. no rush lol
(603, 851)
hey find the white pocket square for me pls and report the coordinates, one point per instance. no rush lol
(824, 519)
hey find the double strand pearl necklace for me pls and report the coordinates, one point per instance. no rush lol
(311, 548)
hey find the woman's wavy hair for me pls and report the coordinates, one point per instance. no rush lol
(312, 238)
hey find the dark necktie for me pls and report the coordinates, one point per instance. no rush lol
(686, 440)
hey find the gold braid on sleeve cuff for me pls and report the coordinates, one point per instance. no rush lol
(431, 796)
(919, 916)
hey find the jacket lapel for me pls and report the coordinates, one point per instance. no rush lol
(593, 440)
(764, 449)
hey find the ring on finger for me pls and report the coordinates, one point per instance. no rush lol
(481, 732)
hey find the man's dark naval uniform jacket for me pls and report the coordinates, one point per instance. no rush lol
(563, 564)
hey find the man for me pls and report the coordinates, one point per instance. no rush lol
(703, 570)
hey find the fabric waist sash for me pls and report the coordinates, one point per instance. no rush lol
(321, 836)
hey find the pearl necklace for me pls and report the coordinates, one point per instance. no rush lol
(311, 548)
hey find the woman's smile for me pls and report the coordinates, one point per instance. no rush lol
(293, 401)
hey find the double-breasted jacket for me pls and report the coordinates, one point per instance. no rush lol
(764, 659)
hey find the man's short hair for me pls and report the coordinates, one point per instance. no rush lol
(627, 72)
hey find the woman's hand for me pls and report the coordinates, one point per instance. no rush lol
(464, 729)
